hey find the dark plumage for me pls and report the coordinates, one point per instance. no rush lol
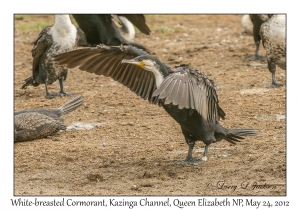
(187, 95)
(52, 40)
(100, 29)
(40, 123)
(273, 34)
(257, 21)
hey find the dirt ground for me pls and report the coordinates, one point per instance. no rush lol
(133, 146)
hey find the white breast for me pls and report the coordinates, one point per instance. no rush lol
(277, 29)
(63, 33)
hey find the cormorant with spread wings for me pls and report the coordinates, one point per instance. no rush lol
(185, 93)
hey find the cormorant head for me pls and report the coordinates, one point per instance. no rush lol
(152, 64)
(146, 62)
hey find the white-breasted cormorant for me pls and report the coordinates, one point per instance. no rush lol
(257, 21)
(186, 94)
(273, 34)
(100, 29)
(40, 123)
(61, 37)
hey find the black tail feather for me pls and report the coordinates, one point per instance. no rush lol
(243, 132)
(235, 135)
(29, 81)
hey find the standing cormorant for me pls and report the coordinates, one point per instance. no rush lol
(257, 21)
(273, 34)
(61, 37)
(100, 29)
(40, 123)
(185, 93)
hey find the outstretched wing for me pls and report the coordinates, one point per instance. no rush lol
(32, 125)
(189, 88)
(106, 61)
(41, 44)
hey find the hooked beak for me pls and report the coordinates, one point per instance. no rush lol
(132, 61)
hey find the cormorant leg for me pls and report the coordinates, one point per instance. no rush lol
(48, 95)
(190, 151)
(204, 157)
(53, 95)
(62, 91)
(256, 56)
(189, 159)
(272, 69)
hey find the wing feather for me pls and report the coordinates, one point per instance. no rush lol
(41, 45)
(172, 94)
(191, 89)
(164, 87)
(80, 57)
(92, 62)
(106, 61)
(140, 85)
(139, 21)
(146, 87)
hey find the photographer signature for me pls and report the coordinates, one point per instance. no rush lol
(223, 185)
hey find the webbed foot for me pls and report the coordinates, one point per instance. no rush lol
(60, 94)
(192, 161)
(274, 85)
(255, 58)
(63, 93)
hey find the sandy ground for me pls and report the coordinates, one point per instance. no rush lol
(129, 147)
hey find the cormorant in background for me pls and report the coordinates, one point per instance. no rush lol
(247, 24)
(273, 34)
(100, 29)
(125, 27)
(58, 38)
(257, 21)
(186, 94)
(40, 123)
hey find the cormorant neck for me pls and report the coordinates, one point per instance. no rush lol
(127, 29)
(63, 22)
(162, 67)
(64, 33)
(160, 72)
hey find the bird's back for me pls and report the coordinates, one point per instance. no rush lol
(98, 29)
(40, 123)
(57, 113)
(190, 88)
(33, 125)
